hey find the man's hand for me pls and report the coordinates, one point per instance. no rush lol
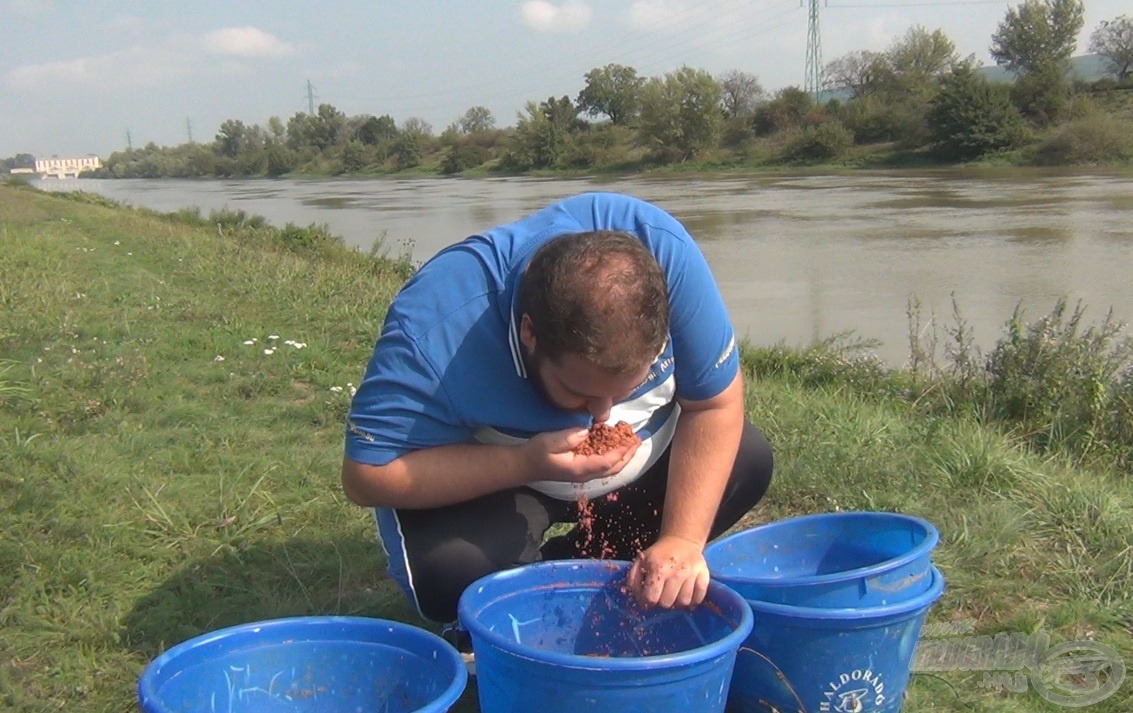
(552, 457)
(671, 573)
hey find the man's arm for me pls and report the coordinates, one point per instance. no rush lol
(444, 475)
(672, 572)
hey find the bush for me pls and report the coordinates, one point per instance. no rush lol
(827, 140)
(1097, 139)
(313, 237)
(871, 120)
(461, 157)
(970, 116)
(1064, 385)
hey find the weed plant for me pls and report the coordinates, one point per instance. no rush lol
(172, 394)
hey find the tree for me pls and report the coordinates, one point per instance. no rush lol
(613, 90)
(969, 116)
(1113, 40)
(375, 129)
(740, 92)
(544, 136)
(917, 59)
(681, 113)
(418, 126)
(788, 110)
(858, 72)
(1038, 34)
(476, 120)
(230, 139)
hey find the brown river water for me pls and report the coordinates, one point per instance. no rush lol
(799, 256)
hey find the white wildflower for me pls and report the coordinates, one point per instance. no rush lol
(269, 351)
(218, 358)
(273, 337)
(117, 243)
(336, 389)
(249, 342)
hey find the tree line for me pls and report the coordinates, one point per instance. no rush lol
(916, 101)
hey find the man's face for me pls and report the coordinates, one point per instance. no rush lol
(574, 383)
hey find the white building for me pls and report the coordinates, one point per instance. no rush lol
(65, 167)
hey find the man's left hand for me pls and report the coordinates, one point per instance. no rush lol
(671, 573)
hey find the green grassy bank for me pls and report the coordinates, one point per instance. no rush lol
(172, 392)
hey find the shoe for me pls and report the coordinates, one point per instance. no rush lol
(461, 640)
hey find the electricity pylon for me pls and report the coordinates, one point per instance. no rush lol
(813, 83)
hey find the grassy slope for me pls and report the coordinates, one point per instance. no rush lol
(150, 492)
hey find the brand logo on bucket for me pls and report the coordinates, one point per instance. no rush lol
(852, 692)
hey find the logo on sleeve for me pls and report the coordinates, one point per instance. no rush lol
(727, 352)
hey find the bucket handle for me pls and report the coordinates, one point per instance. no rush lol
(782, 677)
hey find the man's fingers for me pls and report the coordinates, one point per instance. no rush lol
(700, 590)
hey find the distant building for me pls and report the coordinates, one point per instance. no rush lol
(21, 170)
(65, 167)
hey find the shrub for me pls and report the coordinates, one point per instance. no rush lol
(871, 120)
(463, 156)
(1064, 385)
(970, 116)
(1097, 139)
(313, 237)
(825, 141)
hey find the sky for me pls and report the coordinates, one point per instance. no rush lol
(82, 77)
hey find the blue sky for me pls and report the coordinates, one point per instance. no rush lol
(77, 74)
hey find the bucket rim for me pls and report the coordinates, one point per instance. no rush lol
(932, 537)
(151, 676)
(919, 602)
(722, 646)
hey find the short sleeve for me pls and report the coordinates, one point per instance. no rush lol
(399, 406)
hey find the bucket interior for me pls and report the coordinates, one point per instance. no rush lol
(586, 611)
(820, 546)
(305, 667)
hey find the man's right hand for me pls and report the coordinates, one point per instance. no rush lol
(552, 457)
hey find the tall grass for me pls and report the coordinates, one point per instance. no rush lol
(171, 407)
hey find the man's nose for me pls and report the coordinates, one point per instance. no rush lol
(600, 409)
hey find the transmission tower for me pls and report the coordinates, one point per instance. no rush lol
(813, 83)
(189, 129)
(310, 98)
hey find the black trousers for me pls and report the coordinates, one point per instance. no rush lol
(448, 548)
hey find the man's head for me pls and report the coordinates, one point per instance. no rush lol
(595, 307)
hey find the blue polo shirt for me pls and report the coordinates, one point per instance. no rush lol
(447, 367)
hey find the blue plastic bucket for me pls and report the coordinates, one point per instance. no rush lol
(808, 660)
(565, 636)
(327, 664)
(843, 559)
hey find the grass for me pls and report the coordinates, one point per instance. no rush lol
(160, 477)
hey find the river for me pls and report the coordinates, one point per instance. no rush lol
(799, 256)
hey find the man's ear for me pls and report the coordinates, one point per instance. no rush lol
(527, 333)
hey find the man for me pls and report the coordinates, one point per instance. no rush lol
(493, 361)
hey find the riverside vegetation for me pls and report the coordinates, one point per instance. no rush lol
(172, 396)
(916, 103)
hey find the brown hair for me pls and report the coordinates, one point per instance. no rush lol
(601, 295)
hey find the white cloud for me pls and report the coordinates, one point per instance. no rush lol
(245, 42)
(135, 66)
(571, 16)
